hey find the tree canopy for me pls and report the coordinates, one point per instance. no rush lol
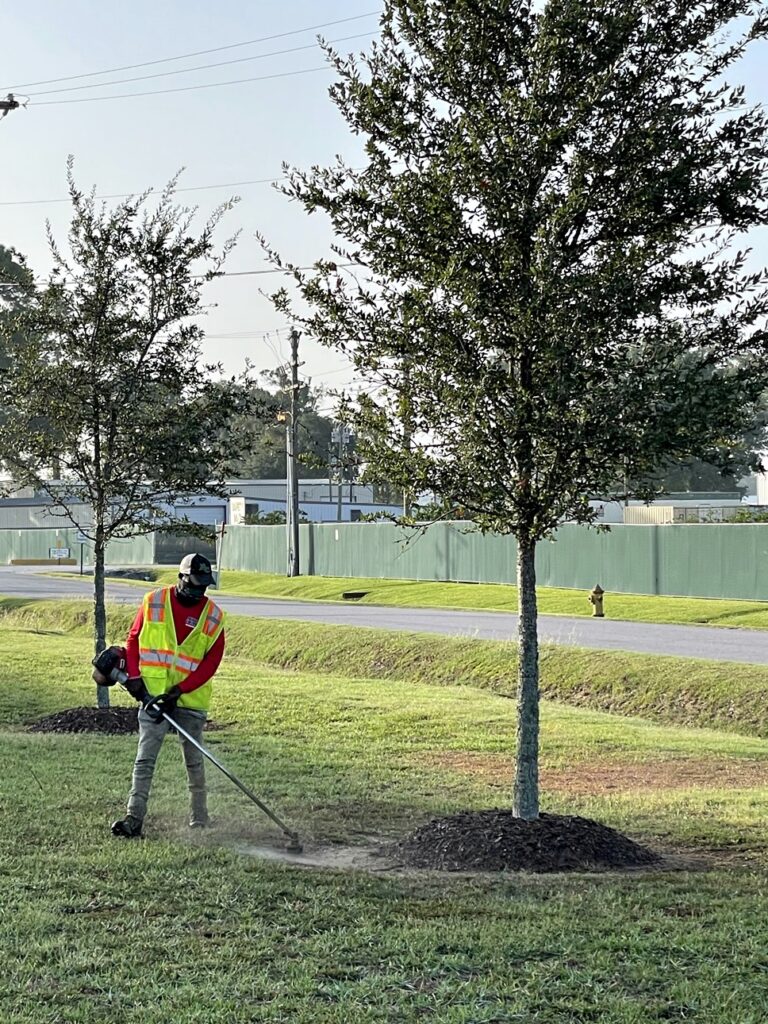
(542, 257)
(109, 384)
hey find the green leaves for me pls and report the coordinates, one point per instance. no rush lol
(544, 244)
(109, 384)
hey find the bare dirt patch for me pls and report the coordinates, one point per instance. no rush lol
(335, 857)
(594, 778)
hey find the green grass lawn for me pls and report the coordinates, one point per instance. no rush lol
(184, 928)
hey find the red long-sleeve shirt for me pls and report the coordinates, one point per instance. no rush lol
(184, 620)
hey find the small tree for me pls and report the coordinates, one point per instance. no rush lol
(545, 270)
(108, 383)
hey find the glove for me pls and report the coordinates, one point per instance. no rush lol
(137, 689)
(163, 704)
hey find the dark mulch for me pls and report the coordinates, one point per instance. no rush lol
(498, 841)
(113, 721)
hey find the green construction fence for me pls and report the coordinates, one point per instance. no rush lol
(50, 545)
(707, 560)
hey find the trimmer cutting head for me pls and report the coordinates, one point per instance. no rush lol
(294, 846)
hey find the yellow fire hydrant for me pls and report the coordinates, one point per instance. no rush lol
(596, 598)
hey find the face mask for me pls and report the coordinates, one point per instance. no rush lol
(189, 592)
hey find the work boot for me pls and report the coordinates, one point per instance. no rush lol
(127, 828)
(198, 812)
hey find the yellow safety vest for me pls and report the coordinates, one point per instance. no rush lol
(163, 661)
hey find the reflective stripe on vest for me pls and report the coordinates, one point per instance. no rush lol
(213, 619)
(155, 606)
(163, 661)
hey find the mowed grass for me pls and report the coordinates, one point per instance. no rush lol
(495, 597)
(188, 928)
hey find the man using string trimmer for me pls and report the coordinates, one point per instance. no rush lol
(173, 650)
(192, 653)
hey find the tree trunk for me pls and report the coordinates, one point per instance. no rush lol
(99, 608)
(526, 796)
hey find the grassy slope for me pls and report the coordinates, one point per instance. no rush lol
(184, 928)
(675, 690)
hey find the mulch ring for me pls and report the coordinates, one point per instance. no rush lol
(110, 721)
(498, 841)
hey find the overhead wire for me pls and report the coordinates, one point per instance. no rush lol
(330, 373)
(195, 277)
(199, 67)
(194, 53)
(150, 192)
(184, 88)
(155, 191)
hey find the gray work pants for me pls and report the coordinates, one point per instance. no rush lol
(151, 736)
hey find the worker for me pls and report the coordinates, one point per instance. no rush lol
(173, 650)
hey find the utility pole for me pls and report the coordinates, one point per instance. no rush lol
(284, 417)
(341, 470)
(293, 544)
(339, 437)
(291, 469)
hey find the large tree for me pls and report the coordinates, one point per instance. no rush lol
(544, 239)
(109, 382)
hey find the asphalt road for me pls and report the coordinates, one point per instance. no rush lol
(742, 645)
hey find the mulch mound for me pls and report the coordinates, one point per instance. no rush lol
(114, 721)
(498, 841)
(111, 721)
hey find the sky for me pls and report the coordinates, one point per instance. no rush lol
(233, 133)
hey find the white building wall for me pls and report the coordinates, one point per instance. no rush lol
(309, 490)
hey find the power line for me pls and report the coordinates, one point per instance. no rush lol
(150, 192)
(199, 67)
(330, 373)
(158, 191)
(271, 345)
(196, 277)
(185, 88)
(246, 335)
(194, 53)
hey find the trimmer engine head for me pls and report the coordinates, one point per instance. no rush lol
(109, 666)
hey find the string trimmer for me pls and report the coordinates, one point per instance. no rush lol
(108, 676)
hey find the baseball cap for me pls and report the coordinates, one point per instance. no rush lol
(198, 568)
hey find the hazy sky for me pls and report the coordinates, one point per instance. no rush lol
(229, 134)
